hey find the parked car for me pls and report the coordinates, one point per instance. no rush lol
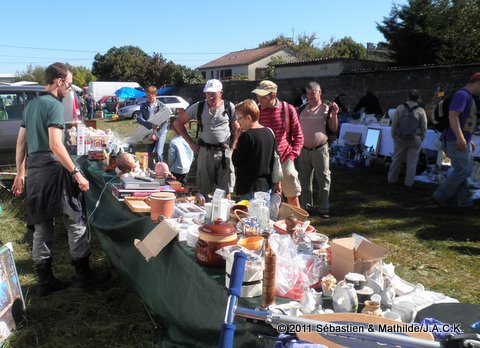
(13, 100)
(109, 103)
(172, 101)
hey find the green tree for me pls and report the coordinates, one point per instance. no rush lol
(344, 48)
(81, 75)
(32, 73)
(433, 31)
(152, 73)
(270, 70)
(184, 75)
(306, 47)
(280, 40)
(130, 63)
(125, 63)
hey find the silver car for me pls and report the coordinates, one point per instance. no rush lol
(172, 101)
(13, 100)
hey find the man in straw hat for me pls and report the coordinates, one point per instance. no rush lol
(282, 118)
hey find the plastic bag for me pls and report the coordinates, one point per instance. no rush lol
(275, 200)
(295, 273)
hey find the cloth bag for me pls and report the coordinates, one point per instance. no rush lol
(277, 172)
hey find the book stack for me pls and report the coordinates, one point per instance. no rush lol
(130, 187)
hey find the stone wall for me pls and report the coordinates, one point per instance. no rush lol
(389, 85)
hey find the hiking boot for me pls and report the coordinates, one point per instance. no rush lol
(441, 203)
(87, 279)
(310, 209)
(324, 215)
(48, 284)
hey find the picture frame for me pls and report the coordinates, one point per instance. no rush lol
(372, 139)
(12, 303)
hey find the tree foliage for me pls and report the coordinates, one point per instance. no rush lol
(270, 69)
(433, 32)
(343, 48)
(32, 73)
(120, 64)
(129, 63)
(306, 47)
(280, 40)
(81, 75)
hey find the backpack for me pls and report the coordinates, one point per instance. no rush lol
(408, 123)
(227, 109)
(440, 115)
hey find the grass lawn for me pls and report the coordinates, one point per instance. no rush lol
(435, 247)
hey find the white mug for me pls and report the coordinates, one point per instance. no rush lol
(405, 309)
(391, 315)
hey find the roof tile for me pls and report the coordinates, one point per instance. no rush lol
(244, 57)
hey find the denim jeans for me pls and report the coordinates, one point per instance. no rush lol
(455, 184)
(162, 137)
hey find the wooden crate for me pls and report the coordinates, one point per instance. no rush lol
(138, 204)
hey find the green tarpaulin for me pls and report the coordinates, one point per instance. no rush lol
(188, 299)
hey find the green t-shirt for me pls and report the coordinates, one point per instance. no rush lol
(41, 113)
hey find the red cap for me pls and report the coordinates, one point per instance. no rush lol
(475, 77)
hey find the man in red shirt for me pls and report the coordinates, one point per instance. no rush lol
(282, 118)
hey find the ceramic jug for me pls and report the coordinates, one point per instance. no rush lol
(372, 308)
(344, 298)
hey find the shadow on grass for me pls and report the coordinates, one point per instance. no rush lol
(465, 250)
(363, 202)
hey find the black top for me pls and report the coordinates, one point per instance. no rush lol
(371, 104)
(253, 161)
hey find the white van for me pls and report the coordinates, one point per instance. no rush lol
(101, 89)
(13, 100)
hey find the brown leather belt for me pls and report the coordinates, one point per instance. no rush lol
(316, 147)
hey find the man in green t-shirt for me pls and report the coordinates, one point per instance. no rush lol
(55, 185)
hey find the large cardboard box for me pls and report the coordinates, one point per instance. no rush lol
(354, 254)
(156, 240)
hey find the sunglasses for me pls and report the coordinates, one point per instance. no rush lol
(69, 85)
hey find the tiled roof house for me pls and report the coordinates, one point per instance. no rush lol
(250, 63)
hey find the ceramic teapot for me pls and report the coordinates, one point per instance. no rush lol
(344, 298)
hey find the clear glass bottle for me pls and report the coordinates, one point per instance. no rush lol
(302, 241)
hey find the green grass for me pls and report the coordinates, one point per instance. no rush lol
(429, 245)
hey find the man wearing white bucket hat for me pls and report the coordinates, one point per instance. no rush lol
(217, 133)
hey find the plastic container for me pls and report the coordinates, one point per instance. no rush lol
(190, 210)
(162, 205)
(251, 243)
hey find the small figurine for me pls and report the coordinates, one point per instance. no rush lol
(291, 225)
(162, 171)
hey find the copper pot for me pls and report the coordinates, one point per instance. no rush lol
(212, 237)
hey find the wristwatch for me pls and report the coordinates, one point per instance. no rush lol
(75, 171)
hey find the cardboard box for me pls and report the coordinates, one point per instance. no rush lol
(156, 240)
(352, 138)
(354, 254)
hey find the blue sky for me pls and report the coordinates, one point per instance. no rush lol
(188, 32)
